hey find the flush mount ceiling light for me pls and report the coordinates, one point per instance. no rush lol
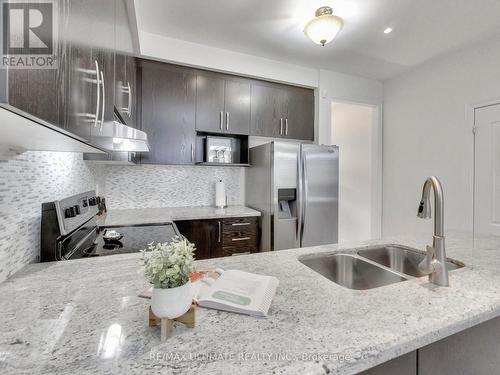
(324, 27)
(388, 30)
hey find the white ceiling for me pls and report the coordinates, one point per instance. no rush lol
(423, 29)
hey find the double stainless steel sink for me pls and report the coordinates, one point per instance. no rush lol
(371, 267)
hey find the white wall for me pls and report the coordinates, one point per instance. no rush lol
(342, 87)
(198, 55)
(427, 132)
(353, 130)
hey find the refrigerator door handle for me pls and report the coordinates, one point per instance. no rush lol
(299, 195)
(305, 183)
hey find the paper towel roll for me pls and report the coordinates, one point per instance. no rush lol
(220, 194)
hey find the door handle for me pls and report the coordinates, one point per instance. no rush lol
(241, 239)
(129, 99)
(103, 100)
(227, 121)
(286, 126)
(98, 94)
(220, 232)
(221, 121)
(281, 126)
(239, 224)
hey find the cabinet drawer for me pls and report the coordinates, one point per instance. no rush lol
(237, 250)
(239, 223)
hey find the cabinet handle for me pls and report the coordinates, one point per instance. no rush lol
(221, 120)
(192, 153)
(239, 224)
(286, 126)
(103, 100)
(245, 253)
(227, 120)
(281, 126)
(220, 232)
(129, 109)
(98, 94)
(241, 239)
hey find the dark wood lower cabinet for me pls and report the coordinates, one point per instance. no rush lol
(203, 234)
(221, 237)
(404, 365)
(473, 351)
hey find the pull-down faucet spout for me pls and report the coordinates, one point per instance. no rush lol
(434, 263)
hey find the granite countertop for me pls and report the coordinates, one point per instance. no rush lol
(122, 217)
(84, 316)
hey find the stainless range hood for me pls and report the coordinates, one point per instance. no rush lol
(122, 142)
(115, 136)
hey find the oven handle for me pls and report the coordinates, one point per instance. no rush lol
(78, 245)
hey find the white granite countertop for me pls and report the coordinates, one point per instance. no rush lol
(133, 216)
(84, 316)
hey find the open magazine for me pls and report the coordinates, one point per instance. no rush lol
(236, 291)
(232, 290)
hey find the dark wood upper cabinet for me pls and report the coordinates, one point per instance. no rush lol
(237, 107)
(41, 92)
(209, 104)
(81, 93)
(131, 116)
(125, 66)
(282, 111)
(299, 120)
(222, 104)
(168, 106)
(266, 117)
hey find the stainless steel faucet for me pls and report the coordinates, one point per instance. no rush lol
(434, 263)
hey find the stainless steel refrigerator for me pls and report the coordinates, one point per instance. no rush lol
(295, 187)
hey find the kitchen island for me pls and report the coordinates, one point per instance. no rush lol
(84, 316)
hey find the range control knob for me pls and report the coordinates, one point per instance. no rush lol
(69, 212)
(85, 203)
(77, 209)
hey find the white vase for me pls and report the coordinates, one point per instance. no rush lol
(172, 302)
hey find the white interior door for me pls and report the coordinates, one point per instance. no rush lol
(487, 170)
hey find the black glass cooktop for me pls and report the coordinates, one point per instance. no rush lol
(135, 238)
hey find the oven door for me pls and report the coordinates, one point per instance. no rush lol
(79, 244)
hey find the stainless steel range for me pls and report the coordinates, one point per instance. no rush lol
(69, 230)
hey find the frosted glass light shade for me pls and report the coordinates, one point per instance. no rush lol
(322, 29)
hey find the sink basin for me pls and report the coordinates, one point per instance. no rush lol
(350, 271)
(400, 259)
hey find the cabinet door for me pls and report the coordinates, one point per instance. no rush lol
(209, 104)
(82, 110)
(168, 99)
(266, 118)
(299, 115)
(237, 107)
(132, 91)
(204, 234)
(124, 76)
(41, 92)
(121, 88)
(473, 351)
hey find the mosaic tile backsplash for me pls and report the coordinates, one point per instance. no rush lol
(29, 179)
(170, 186)
(26, 181)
